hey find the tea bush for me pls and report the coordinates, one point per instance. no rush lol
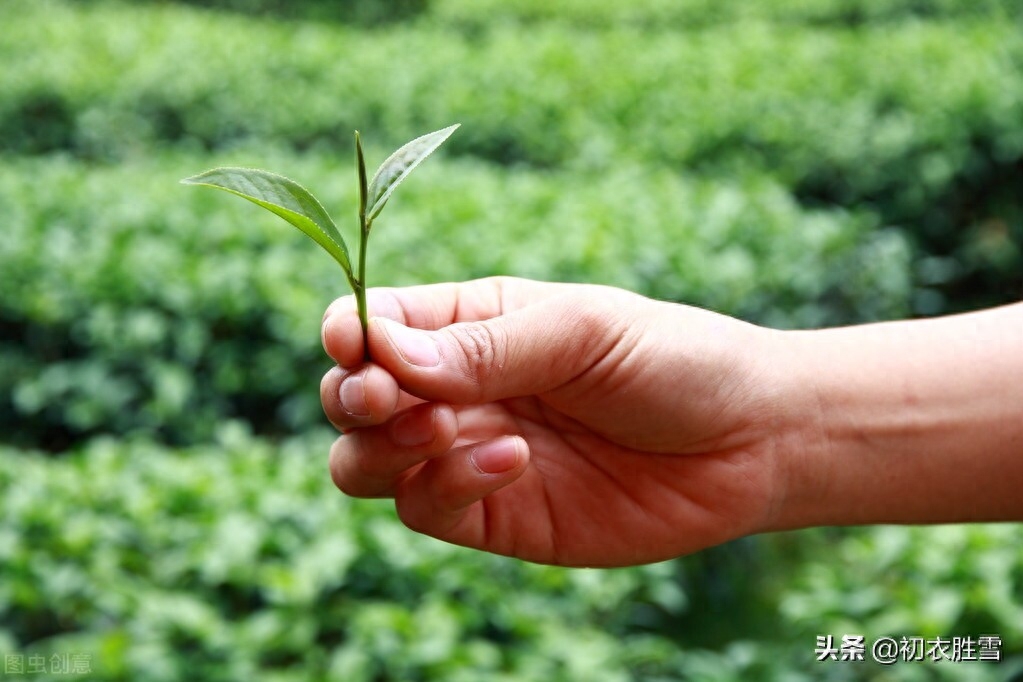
(357, 12)
(132, 303)
(916, 120)
(239, 560)
(690, 14)
(769, 95)
(164, 503)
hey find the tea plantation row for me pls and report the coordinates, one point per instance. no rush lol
(239, 560)
(690, 14)
(164, 503)
(678, 14)
(132, 303)
(771, 96)
(919, 122)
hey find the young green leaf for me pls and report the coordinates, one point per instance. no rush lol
(285, 198)
(398, 165)
(360, 170)
(295, 204)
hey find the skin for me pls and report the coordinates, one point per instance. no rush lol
(588, 426)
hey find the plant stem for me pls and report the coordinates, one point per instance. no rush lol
(360, 287)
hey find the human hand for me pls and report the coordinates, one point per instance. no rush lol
(558, 423)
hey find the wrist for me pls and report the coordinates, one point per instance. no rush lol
(906, 422)
(801, 439)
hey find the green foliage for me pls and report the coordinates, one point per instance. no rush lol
(916, 119)
(770, 92)
(794, 163)
(690, 14)
(395, 168)
(358, 12)
(292, 202)
(239, 560)
(244, 556)
(169, 314)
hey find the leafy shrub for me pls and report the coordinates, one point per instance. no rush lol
(359, 12)
(917, 121)
(770, 94)
(794, 163)
(690, 14)
(239, 560)
(131, 304)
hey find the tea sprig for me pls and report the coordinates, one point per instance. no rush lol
(295, 204)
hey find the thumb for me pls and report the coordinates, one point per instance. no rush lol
(531, 350)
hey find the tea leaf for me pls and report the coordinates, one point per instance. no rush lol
(283, 197)
(398, 166)
(360, 169)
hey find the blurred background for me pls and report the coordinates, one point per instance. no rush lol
(165, 508)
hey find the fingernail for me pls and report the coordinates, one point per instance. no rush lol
(415, 346)
(323, 331)
(415, 428)
(496, 457)
(353, 396)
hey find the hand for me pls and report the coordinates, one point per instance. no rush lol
(558, 423)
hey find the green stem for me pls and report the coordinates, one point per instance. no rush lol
(360, 287)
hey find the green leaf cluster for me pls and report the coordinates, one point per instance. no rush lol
(295, 204)
(292, 202)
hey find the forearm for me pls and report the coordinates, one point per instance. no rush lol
(909, 422)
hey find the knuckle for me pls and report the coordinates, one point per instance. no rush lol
(480, 348)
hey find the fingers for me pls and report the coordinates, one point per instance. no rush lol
(367, 462)
(442, 498)
(435, 486)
